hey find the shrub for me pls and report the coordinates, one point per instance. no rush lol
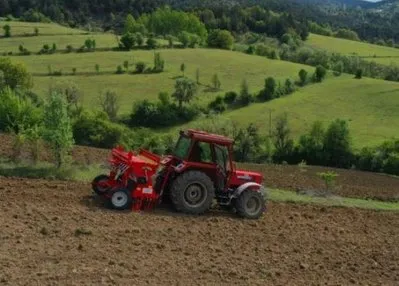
(217, 105)
(16, 112)
(359, 74)
(15, 74)
(7, 31)
(269, 91)
(140, 67)
(303, 77)
(119, 70)
(220, 39)
(159, 63)
(128, 40)
(329, 179)
(152, 43)
(69, 48)
(230, 97)
(96, 130)
(245, 97)
(320, 73)
(36, 31)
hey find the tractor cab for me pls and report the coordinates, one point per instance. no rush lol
(200, 169)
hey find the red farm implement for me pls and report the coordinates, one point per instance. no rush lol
(200, 170)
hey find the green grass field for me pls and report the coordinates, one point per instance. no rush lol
(348, 47)
(370, 106)
(34, 44)
(231, 67)
(26, 28)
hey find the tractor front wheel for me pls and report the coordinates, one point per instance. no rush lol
(121, 199)
(250, 204)
(100, 184)
(192, 192)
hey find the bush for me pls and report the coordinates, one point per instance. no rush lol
(7, 31)
(245, 97)
(230, 97)
(159, 63)
(15, 74)
(217, 105)
(359, 74)
(69, 48)
(220, 39)
(320, 73)
(97, 131)
(128, 40)
(140, 67)
(303, 77)
(16, 112)
(119, 70)
(152, 43)
(161, 114)
(269, 91)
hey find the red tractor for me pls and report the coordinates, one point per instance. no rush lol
(200, 170)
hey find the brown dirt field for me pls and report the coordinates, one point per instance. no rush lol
(291, 245)
(350, 183)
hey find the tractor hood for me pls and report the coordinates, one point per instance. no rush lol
(241, 177)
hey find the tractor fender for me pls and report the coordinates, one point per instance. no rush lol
(257, 188)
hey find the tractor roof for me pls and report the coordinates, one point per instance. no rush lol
(208, 137)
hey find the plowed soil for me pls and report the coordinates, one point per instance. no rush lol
(350, 183)
(55, 233)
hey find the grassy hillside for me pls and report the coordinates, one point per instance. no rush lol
(231, 67)
(25, 28)
(34, 44)
(371, 107)
(383, 55)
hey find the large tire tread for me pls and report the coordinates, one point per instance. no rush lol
(179, 186)
(242, 200)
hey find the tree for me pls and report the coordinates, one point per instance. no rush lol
(152, 43)
(320, 73)
(182, 68)
(337, 144)
(140, 67)
(127, 41)
(109, 104)
(220, 39)
(245, 97)
(139, 38)
(185, 91)
(97, 68)
(15, 74)
(57, 131)
(359, 74)
(36, 30)
(303, 77)
(197, 75)
(311, 145)
(289, 87)
(268, 93)
(7, 31)
(216, 82)
(283, 144)
(130, 24)
(126, 65)
(159, 63)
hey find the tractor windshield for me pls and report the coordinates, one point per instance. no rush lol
(182, 147)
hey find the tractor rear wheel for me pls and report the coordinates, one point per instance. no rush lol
(250, 204)
(121, 199)
(100, 184)
(192, 192)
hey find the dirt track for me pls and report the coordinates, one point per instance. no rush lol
(40, 223)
